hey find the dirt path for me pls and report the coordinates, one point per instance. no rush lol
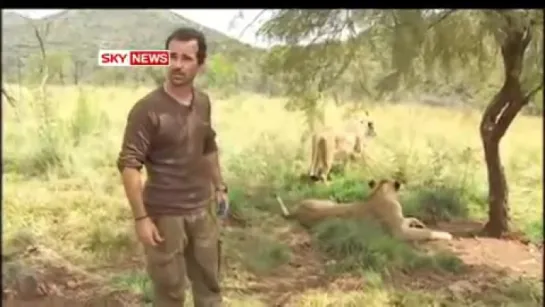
(487, 261)
(507, 254)
(486, 258)
(303, 272)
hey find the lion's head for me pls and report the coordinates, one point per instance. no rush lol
(368, 123)
(362, 123)
(384, 187)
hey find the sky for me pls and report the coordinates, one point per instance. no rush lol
(217, 19)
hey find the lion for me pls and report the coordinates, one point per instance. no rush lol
(382, 205)
(329, 144)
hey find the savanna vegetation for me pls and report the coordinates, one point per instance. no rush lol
(450, 93)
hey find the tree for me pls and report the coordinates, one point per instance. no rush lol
(221, 73)
(309, 70)
(157, 75)
(9, 99)
(77, 67)
(419, 42)
(55, 65)
(58, 65)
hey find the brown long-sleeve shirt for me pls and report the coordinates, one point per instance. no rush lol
(171, 141)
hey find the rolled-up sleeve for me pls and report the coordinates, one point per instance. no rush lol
(136, 139)
(210, 145)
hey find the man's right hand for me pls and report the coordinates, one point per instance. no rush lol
(147, 232)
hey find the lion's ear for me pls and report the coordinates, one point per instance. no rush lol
(397, 185)
(372, 183)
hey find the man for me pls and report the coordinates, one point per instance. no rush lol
(169, 131)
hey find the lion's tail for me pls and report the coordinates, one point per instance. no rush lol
(416, 234)
(285, 211)
(439, 235)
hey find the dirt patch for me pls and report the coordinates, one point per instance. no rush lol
(234, 220)
(304, 271)
(461, 228)
(487, 261)
(501, 254)
(43, 278)
(513, 253)
(110, 300)
(42, 302)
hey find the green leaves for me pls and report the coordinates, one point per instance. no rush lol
(222, 71)
(532, 73)
(296, 26)
(321, 47)
(313, 58)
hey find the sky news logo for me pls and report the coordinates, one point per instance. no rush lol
(123, 58)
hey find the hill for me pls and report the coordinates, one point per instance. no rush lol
(78, 34)
(12, 19)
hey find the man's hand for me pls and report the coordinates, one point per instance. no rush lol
(147, 232)
(222, 201)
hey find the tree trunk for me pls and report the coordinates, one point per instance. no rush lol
(496, 119)
(61, 76)
(498, 195)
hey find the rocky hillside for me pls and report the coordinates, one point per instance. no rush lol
(12, 19)
(78, 34)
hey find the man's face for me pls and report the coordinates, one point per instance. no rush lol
(183, 62)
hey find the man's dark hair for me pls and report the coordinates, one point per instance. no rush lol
(186, 34)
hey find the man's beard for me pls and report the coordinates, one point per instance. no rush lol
(179, 79)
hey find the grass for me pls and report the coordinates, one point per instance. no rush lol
(61, 189)
(344, 242)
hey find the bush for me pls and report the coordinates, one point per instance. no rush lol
(54, 142)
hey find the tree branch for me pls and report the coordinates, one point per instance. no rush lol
(40, 40)
(396, 20)
(10, 99)
(440, 19)
(491, 112)
(527, 37)
(326, 82)
(511, 109)
(506, 17)
(532, 93)
(256, 18)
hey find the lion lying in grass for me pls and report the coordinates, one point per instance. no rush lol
(382, 205)
(330, 144)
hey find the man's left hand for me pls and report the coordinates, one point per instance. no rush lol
(222, 201)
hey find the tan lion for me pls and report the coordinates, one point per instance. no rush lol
(382, 205)
(329, 144)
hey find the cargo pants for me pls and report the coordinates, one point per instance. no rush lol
(191, 246)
